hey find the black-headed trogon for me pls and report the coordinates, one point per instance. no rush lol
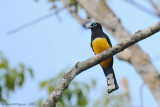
(99, 43)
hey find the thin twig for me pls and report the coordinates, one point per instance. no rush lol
(34, 21)
(142, 8)
(75, 15)
(82, 66)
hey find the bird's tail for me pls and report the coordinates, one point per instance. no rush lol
(111, 79)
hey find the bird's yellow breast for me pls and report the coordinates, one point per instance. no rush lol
(99, 45)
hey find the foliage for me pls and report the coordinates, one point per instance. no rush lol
(55, 4)
(11, 78)
(112, 100)
(76, 95)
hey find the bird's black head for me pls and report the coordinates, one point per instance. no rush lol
(95, 26)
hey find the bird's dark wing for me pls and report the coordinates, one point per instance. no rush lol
(91, 46)
(108, 40)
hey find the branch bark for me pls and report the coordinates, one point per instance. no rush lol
(74, 14)
(81, 66)
(100, 11)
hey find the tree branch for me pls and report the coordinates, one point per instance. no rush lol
(101, 12)
(74, 14)
(81, 66)
(35, 21)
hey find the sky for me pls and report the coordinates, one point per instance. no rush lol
(44, 46)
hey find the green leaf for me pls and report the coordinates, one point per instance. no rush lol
(79, 92)
(76, 8)
(14, 72)
(60, 104)
(40, 102)
(43, 84)
(10, 82)
(31, 72)
(51, 0)
(69, 95)
(82, 101)
(22, 67)
(87, 87)
(4, 63)
(107, 102)
(94, 83)
(50, 89)
(71, 1)
(0, 92)
(10, 78)
(21, 79)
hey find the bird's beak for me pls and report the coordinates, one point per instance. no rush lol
(89, 27)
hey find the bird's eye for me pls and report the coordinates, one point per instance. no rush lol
(94, 24)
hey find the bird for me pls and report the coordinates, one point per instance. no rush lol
(99, 43)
